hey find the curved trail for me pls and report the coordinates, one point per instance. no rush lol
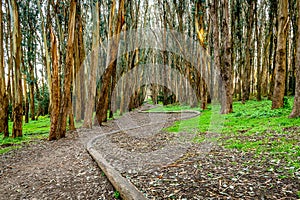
(63, 169)
(115, 160)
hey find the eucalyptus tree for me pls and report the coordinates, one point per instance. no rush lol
(249, 55)
(47, 61)
(29, 31)
(66, 103)
(112, 53)
(222, 53)
(294, 16)
(79, 57)
(89, 105)
(17, 55)
(262, 43)
(3, 91)
(55, 90)
(280, 59)
(200, 20)
(296, 108)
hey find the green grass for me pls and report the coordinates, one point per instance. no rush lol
(257, 118)
(186, 125)
(39, 127)
(252, 127)
(117, 194)
(31, 131)
(7, 149)
(200, 123)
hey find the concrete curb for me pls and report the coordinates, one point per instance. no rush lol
(126, 189)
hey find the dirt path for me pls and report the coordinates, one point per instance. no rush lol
(160, 164)
(53, 170)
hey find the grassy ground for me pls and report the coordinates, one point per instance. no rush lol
(31, 131)
(252, 127)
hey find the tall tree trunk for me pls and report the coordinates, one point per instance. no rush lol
(199, 26)
(30, 59)
(17, 55)
(31, 89)
(293, 12)
(102, 104)
(26, 103)
(47, 57)
(65, 107)
(247, 71)
(296, 108)
(239, 47)
(258, 35)
(164, 52)
(226, 68)
(273, 46)
(38, 95)
(9, 48)
(264, 69)
(153, 87)
(122, 101)
(3, 92)
(79, 67)
(216, 37)
(223, 62)
(103, 95)
(70, 105)
(55, 89)
(90, 103)
(280, 75)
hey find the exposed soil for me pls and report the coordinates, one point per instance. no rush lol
(131, 143)
(160, 164)
(52, 170)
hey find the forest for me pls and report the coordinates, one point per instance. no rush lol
(44, 47)
(80, 64)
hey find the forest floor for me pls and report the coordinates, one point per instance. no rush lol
(181, 164)
(168, 165)
(53, 170)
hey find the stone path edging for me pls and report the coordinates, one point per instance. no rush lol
(126, 189)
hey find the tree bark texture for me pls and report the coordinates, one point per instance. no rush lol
(296, 108)
(247, 68)
(65, 108)
(90, 103)
(280, 62)
(102, 104)
(3, 92)
(17, 55)
(55, 89)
